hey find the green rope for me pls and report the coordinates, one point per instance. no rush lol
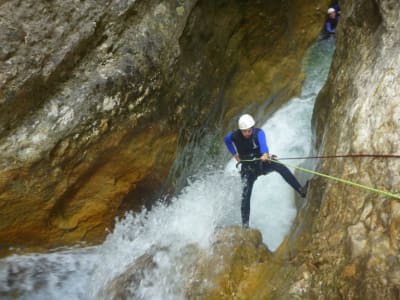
(396, 196)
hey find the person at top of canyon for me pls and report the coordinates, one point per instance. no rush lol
(335, 5)
(332, 20)
(248, 145)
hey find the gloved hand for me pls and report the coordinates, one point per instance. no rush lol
(274, 157)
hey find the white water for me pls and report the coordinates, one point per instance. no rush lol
(210, 200)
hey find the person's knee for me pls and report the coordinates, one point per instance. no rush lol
(277, 167)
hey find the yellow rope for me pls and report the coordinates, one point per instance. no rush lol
(397, 196)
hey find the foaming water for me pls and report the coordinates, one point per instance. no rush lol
(60, 275)
(159, 247)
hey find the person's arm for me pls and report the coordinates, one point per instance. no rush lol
(262, 140)
(231, 147)
(328, 27)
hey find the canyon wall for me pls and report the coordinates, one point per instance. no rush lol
(355, 236)
(345, 241)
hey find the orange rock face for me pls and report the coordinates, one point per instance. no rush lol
(65, 207)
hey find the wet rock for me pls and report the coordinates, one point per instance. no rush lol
(124, 286)
(231, 268)
(357, 112)
(238, 256)
(394, 225)
(358, 239)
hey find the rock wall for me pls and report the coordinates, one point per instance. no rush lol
(355, 237)
(80, 102)
(345, 244)
(98, 97)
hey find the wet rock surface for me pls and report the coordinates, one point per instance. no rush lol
(97, 97)
(80, 135)
(229, 269)
(238, 256)
(350, 249)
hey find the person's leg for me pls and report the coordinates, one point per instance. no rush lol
(287, 175)
(248, 179)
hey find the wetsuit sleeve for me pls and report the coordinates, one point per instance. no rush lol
(229, 143)
(328, 27)
(262, 140)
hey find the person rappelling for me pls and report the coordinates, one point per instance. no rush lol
(248, 145)
(331, 21)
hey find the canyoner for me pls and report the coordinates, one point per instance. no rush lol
(248, 145)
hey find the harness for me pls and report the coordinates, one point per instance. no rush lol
(247, 148)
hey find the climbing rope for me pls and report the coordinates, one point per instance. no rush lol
(349, 182)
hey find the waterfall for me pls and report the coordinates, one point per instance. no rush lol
(159, 244)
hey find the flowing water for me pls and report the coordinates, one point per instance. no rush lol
(158, 246)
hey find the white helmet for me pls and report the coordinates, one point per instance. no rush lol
(246, 121)
(331, 10)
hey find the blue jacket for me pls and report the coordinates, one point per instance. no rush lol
(250, 148)
(330, 25)
(336, 7)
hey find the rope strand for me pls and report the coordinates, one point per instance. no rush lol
(349, 182)
(345, 156)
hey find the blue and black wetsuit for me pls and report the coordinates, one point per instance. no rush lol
(330, 25)
(335, 5)
(252, 148)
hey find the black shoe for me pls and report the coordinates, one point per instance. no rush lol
(303, 190)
